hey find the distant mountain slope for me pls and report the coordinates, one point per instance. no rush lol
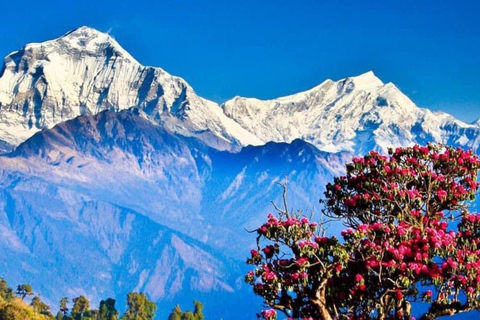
(86, 71)
(66, 243)
(356, 114)
(113, 202)
(122, 158)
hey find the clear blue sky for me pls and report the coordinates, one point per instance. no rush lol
(265, 49)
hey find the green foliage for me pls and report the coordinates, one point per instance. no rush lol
(3, 288)
(107, 310)
(188, 316)
(81, 306)
(36, 304)
(24, 290)
(17, 309)
(5, 291)
(176, 313)
(198, 310)
(12, 308)
(63, 305)
(62, 313)
(197, 314)
(14, 312)
(139, 307)
(39, 307)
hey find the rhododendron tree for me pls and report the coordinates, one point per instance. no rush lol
(401, 244)
(400, 187)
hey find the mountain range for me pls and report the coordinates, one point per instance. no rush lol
(86, 71)
(117, 176)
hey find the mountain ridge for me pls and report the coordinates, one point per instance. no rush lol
(346, 114)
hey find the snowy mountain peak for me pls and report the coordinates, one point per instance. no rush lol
(84, 31)
(355, 114)
(367, 80)
(91, 40)
(81, 41)
(86, 71)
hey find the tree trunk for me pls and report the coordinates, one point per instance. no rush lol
(320, 301)
(440, 310)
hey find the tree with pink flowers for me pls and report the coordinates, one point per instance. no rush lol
(410, 239)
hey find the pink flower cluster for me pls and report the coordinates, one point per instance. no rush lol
(269, 314)
(275, 228)
(376, 181)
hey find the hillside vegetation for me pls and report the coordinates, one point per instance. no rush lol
(23, 304)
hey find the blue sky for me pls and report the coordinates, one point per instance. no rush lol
(266, 49)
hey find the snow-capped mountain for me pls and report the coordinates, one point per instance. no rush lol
(356, 114)
(87, 71)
